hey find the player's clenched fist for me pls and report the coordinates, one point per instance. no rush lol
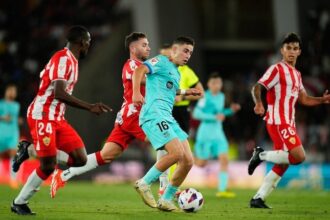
(99, 108)
(193, 91)
(137, 99)
(259, 109)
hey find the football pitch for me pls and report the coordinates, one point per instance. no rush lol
(83, 200)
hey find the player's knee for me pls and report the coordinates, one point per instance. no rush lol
(177, 155)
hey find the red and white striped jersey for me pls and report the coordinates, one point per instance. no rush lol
(283, 83)
(128, 108)
(62, 66)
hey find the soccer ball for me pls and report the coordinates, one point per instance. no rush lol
(190, 200)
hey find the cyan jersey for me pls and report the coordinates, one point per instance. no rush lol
(206, 111)
(12, 109)
(161, 86)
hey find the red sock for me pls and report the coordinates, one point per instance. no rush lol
(293, 160)
(279, 169)
(99, 158)
(41, 174)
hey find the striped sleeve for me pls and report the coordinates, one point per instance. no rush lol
(270, 77)
(60, 68)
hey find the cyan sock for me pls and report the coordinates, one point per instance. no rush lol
(222, 181)
(169, 192)
(152, 175)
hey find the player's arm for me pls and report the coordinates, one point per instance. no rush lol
(200, 114)
(198, 86)
(308, 100)
(62, 95)
(189, 92)
(137, 79)
(256, 95)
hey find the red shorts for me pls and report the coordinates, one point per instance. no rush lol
(124, 133)
(48, 136)
(284, 136)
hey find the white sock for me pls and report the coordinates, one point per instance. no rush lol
(269, 184)
(31, 151)
(62, 157)
(275, 156)
(75, 171)
(163, 178)
(29, 189)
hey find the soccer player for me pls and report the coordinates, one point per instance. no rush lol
(211, 112)
(9, 120)
(284, 88)
(157, 122)
(188, 79)
(126, 126)
(49, 129)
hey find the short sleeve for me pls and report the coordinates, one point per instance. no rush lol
(60, 68)
(270, 77)
(153, 64)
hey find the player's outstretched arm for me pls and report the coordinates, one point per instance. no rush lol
(62, 95)
(256, 95)
(307, 100)
(137, 78)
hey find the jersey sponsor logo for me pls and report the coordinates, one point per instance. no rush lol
(46, 141)
(292, 140)
(154, 61)
(169, 85)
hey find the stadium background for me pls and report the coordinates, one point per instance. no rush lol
(237, 38)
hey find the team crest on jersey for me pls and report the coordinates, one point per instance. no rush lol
(154, 61)
(292, 140)
(169, 85)
(46, 141)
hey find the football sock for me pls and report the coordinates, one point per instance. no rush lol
(169, 192)
(276, 156)
(12, 173)
(222, 181)
(163, 179)
(31, 151)
(269, 184)
(31, 187)
(75, 171)
(152, 175)
(63, 158)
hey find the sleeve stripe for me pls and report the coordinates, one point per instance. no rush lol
(149, 67)
(62, 67)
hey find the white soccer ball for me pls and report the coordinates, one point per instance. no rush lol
(190, 200)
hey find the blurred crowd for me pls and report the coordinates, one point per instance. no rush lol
(30, 31)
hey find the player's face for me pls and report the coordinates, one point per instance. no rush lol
(86, 42)
(11, 93)
(290, 52)
(215, 84)
(181, 53)
(141, 49)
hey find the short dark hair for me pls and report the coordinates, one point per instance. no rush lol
(214, 75)
(76, 34)
(132, 37)
(166, 46)
(184, 40)
(291, 38)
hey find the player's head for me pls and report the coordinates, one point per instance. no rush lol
(11, 92)
(182, 49)
(79, 36)
(291, 47)
(214, 82)
(138, 45)
(166, 49)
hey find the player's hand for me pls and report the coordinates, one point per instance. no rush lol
(137, 99)
(259, 109)
(178, 98)
(326, 97)
(99, 108)
(220, 117)
(193, 91)
(235, 107)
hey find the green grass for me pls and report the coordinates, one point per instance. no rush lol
(89, 201)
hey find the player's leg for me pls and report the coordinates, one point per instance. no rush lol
(13, 178)
(284, 136)
(163, 178)
(270, 182)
